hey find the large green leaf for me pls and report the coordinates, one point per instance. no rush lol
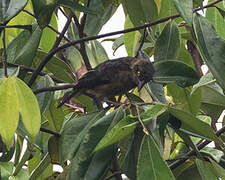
(7, 169)
(211, 46)
(73, 133)
(141, 11)
(9, 111)
(22, 49)
(49, 36)
(184, 99)
(15, 93)
(127, 125)
(214, 16)
(194, 125)
(185, 8)
(151, 165)
(211, 92)
(82, 159)
(43, 11)
(75, 6)
(131, 39)
(95, 21)
(10, 8)
(168, 43)
(175, 71)
(56, 66)
(28, 107)
(204, 170)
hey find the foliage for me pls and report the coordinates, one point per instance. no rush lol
(160, 133)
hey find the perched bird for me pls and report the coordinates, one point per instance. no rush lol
(113, 77)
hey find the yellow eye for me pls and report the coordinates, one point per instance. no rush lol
(139, 73)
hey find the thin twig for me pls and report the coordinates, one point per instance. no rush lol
(142, 43)
(50, 132)
(53, 51)
(50, 27)
(61, 35)
(4, 55)
(28, 27)
(145, 130)
(193, 152)
(195, 56)
(82, 49)
(54, 88)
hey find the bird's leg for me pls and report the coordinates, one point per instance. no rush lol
(66, 98)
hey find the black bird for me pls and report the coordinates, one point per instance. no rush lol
(113, 77)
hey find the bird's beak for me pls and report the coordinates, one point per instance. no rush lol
(140, 85)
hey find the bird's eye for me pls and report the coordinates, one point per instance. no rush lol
(139, 73)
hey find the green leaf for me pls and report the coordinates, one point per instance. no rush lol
(6, 172)
(127, 125)
(98, 53)
(185, 8)
(168, 43)
(141, 12)
(49, 36)
(95, 21)
(204, 170)
(175, 71)
(74, 6)
(151, 165)
(185, 100)
(130, 39)
(211, 92)
(156, 91)
(73, 133)
(82, 159)
(28, 107)
(10, 8)
(22, 49)
(212, 47)
(101, 162)
(118, 42)
(40, 167)
(9, 104)
(217, 169)
(213, 153)
(216, 16)
(56, 66)
(129, 165)
(43, 11)
(194, 125)
(45, 98)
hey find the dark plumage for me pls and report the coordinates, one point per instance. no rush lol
(113, 77)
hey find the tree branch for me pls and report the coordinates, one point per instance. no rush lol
(80, 28)
(193, 152)
(57, 42)
(53, 51)
(54, 88)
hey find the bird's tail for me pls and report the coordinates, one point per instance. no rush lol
(67, 97)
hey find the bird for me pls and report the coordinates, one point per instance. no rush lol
(113, 77)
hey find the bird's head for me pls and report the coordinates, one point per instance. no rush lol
(143, 71)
